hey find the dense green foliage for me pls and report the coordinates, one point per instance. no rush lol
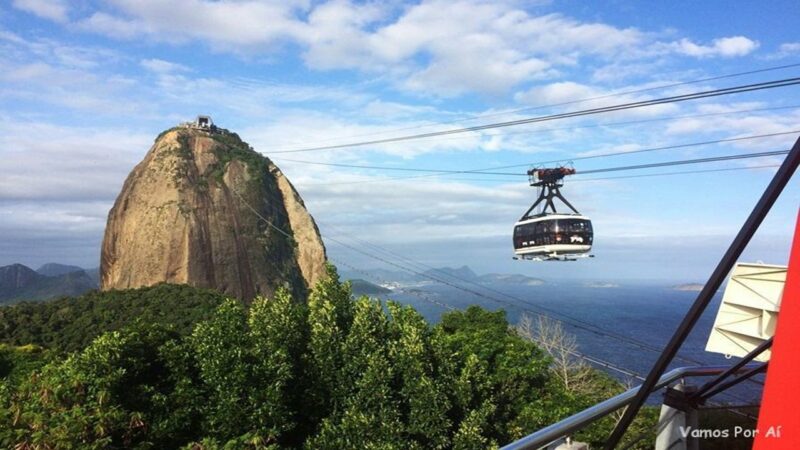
(18, 362)
(234, 148)
(70, 324)
(331, 373)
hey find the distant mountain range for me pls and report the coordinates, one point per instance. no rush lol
(386, 278)
(19, 282)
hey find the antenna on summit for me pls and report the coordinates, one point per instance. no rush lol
(201, 122)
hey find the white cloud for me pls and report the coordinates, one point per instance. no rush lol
(575, 96)
(725, 47)
(785, 50)
(476, 46)
(225, 24)
(790, 47)
(26, 72)
(94, 79)
(42, 161)
(162, 67)
(738, 125)
(115, 27)
(55, 10)
(11, 37)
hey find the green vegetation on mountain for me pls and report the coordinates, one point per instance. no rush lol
(70, 324)
(363, 287)
(329, 373)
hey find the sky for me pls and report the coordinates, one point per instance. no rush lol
(86, 86)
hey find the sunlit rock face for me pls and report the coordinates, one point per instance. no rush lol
(205, 209)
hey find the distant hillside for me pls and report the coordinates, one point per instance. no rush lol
(19, 282)
(694, 287)
(463, 273)
(55, 269)
(69, 324)
(601, 285)
(363, 287)
(513, 278)
(94, 274)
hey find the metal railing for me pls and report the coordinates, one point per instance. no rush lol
(558, 430)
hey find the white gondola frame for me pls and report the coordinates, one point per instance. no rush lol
(566, 251)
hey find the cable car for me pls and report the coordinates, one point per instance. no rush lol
(549, 235)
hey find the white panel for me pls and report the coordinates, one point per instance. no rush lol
(749, 310)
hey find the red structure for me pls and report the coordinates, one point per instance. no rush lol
(779, 417)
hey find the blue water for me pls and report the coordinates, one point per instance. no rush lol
(647, 313)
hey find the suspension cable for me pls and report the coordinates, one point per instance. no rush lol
(585, 112)
(587, 327)
(484, 171)
(565, 103)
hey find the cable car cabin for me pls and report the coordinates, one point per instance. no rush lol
(553, 236)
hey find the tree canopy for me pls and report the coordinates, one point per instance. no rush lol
(330, 373)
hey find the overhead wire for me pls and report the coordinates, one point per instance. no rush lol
(571, 321)
(599, 331)
(611, 169)
(685, 172)
(689, 161)
(484, 171)
(442, 304)
(286, 234)
(565, 319)
(618, 107)
(570, 102)
(597, 361)
(585, 112)
(625, 122)
(539, 130)
(427, 275)
(449, 177)
(591, 359)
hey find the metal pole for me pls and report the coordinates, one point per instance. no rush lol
(731, 383)
(773, 190)
(747, 358)
(577, 421)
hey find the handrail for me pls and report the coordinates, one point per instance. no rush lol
(577, 421)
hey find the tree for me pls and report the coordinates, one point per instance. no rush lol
(516, 372)
(330, 313)
(277, 338)
(334, 372)
(105, 396)
(585, 385)
(573, 372)
(423, 394)
(370, 418)
(220, 347)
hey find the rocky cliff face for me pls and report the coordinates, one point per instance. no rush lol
(205, 209)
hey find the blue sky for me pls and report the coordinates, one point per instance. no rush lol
(86, 86)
